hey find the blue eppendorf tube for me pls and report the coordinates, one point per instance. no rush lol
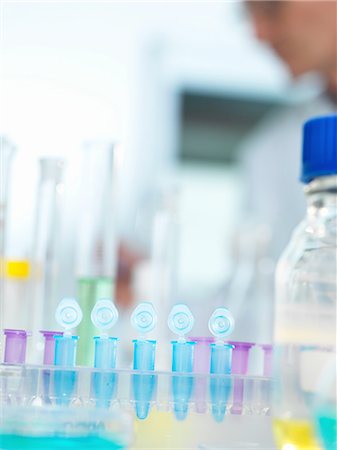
(104, 383)
(65, 380)
(221, 362)
(144, 319)
(182, 385)
(221, 324)
(68, 315)
(180, 321)
(143, 384)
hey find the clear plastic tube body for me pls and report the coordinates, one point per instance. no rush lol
(143, 384)
(65, 350)
(105, 352)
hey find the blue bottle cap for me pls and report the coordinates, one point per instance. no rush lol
(104, 314)
(144, 318)
(319, 155)
(221, 323)
(68, 313)
(180, 320)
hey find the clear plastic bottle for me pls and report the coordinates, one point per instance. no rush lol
(306, 278)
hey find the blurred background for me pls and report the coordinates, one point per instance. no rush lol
(161, 177)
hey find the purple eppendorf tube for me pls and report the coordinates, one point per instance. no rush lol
(48, 358)
(268, 360)
(202, 358)
(239, 367)
(49, 345)
(15, 346)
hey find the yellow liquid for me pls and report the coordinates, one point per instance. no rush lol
(295, 435)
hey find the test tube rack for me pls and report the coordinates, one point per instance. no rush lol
(151, 393)
(49, 385)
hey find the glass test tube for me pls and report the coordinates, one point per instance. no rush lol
(7, 150)
(46, 248)
(96, 253)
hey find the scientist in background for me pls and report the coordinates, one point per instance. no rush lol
(303, 34)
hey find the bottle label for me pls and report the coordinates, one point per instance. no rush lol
(303, 325)
(311, 361)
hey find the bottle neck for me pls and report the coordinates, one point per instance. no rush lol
(321, 194)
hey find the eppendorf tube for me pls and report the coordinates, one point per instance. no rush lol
(15, 346)
(104, 316)
(240, 362)
(144, 319)
(65, 350)
(104, 382)
(68, 315)
(49, 345)
(96, 252)
(105, 352)
(202, 358)
(180, 322)
(221, 324)
(267, 360)
(48, 359)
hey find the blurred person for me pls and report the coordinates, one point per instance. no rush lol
(303, 34)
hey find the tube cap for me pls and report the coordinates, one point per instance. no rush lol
(49, 345)
(68, 313)
(319, 155)
(144, 318)
(221, 323)
(104, 314)
(15, 347)
(180, 320)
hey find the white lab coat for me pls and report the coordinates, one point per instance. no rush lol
(272, 164)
